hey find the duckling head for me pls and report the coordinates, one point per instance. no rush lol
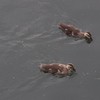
(88, 37)
(71, 69)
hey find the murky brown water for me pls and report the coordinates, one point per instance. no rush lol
(29, 36)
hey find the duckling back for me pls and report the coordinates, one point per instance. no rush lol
(48, 68)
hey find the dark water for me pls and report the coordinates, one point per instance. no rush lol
(29, 36)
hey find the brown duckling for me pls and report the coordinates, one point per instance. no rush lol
(75, 32)
(58, 69)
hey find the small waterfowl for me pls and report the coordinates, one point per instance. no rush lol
(58, 69)
(75, 32)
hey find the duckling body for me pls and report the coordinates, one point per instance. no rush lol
(57, 69)
(75, 32)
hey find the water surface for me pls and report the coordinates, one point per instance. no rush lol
(29, 36)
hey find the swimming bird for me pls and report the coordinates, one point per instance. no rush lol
(58, 69)
(75, 32)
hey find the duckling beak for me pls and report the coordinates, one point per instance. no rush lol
(74, 69)
(88, 39)
(91, 39)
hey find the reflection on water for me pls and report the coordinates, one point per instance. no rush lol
(29, 36)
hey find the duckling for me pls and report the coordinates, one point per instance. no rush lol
(58, 69)
(75, 32)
